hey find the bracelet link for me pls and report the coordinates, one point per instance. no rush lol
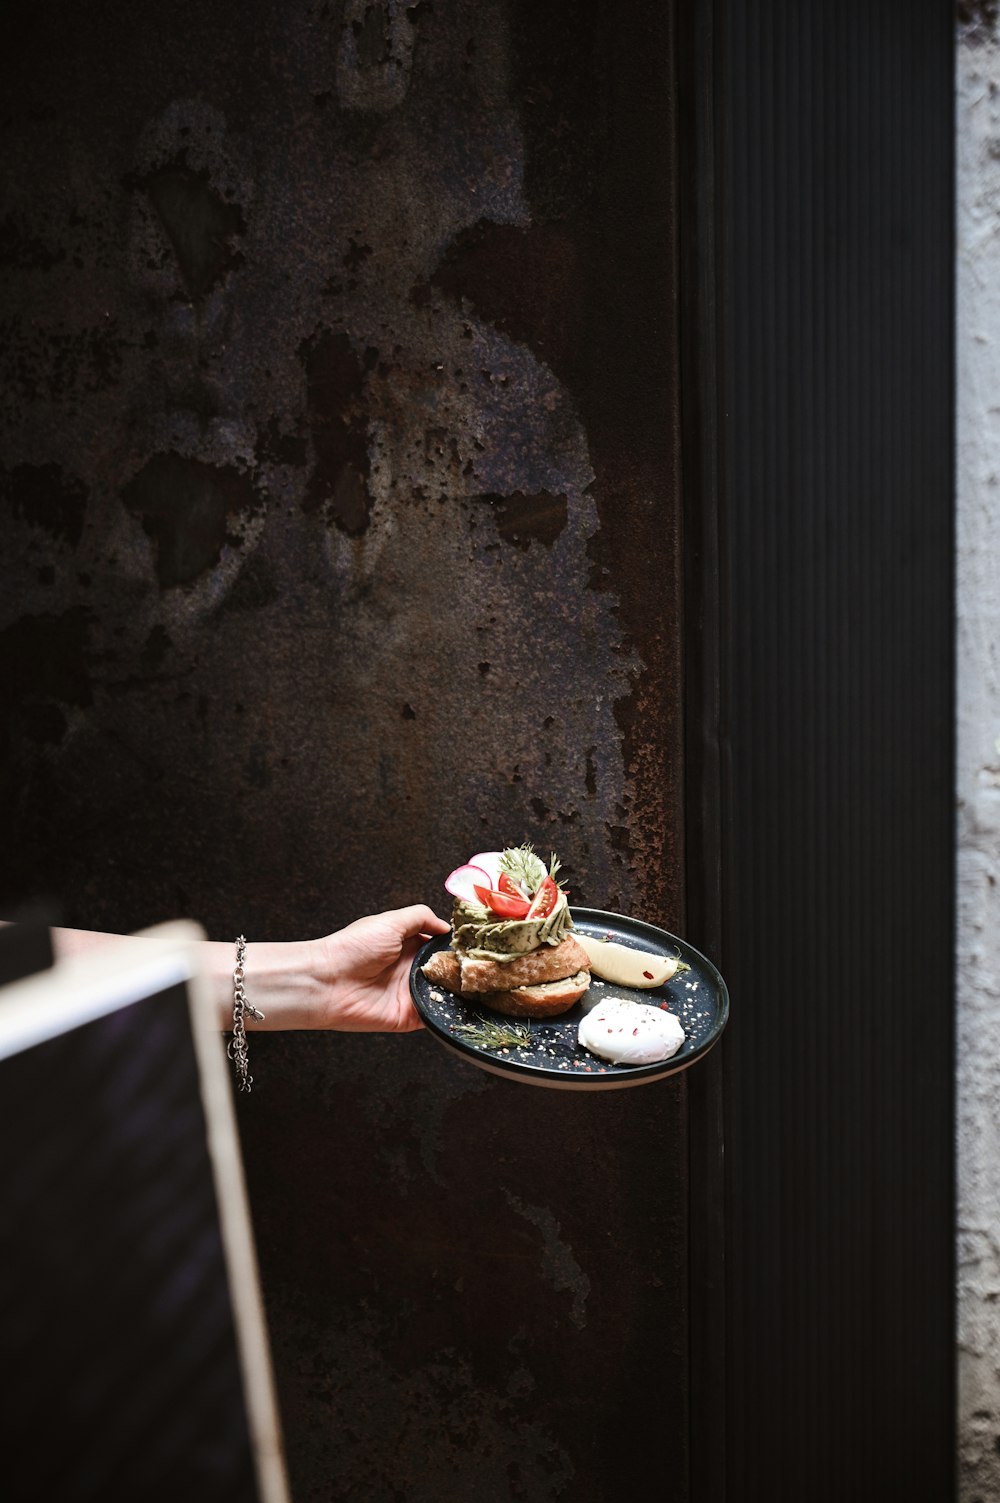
(237, 1046)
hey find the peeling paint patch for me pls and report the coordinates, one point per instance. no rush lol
(198, 224)
(559, 1263)
(591, 773)
(526, 282)
(155, 650)
(521, 518)
(338, 484)
(376, 53)
(277, 447)
(185, 507)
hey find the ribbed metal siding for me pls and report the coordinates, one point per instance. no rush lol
(837, 258)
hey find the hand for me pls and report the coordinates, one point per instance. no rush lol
(367, 970)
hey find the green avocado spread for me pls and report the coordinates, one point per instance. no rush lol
(481, 935)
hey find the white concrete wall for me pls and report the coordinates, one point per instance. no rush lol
(978, 288)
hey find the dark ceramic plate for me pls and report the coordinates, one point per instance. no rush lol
(697, 997)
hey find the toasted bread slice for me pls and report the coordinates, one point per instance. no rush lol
(445, 969)
(527, 997)
(546, 1000)
(547, 963)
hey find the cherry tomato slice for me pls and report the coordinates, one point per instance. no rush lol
(502, 904)
(508, 885)
(545, 899)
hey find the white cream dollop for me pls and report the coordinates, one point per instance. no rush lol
(630, 1033)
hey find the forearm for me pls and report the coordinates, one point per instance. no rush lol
(281, 980)
(355, 980)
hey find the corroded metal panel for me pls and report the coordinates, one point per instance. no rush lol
(340, 495)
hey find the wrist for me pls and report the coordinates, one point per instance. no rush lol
(281, 980)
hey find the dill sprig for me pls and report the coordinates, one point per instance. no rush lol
(495, 1033)
(682, 965)
(523, 866)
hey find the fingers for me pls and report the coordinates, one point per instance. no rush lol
(419, 919)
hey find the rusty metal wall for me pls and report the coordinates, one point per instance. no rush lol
(339, 481)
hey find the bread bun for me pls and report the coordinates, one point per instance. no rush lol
(546, 1000)
(537, 999)
(547, 963)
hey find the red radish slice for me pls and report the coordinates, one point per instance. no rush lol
(489, 862)
(463, 881)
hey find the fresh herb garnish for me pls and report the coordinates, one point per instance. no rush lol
(524, 867)
(494, 1033)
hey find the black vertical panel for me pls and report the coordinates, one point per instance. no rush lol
(835, 257)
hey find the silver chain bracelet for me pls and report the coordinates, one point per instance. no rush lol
(237, 1046)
